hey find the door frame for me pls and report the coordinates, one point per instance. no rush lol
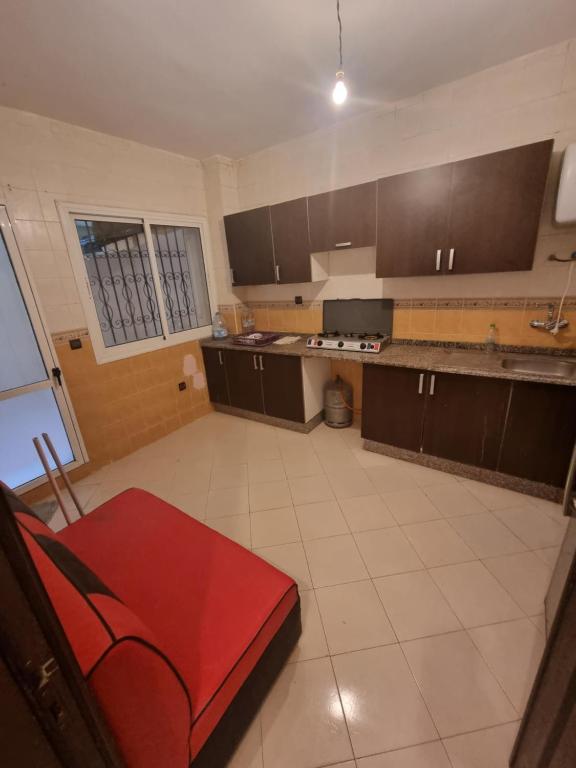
(47, 351)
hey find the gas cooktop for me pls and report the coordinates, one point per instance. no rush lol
(349, 342)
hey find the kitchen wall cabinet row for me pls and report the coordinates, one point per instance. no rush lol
(280, 386)
(475, 215)
(524, 429)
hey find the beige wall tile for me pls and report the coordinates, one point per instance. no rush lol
(422, 321)
(448, 321)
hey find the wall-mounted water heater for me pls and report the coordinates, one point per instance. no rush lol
(566, 200)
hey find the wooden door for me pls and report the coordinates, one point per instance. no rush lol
(393, 401)
(464, 418)
(282, 386)
(214, 365)
(57, 712)
(250, 250)
(291, 241)
(244, 380)
(343, 218)
(412, 223)
(540, 432)
(496, 201)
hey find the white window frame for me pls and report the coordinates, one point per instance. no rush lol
(68, 212)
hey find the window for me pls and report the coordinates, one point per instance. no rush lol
(143, 279)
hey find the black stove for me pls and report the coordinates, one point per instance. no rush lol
(355, 325)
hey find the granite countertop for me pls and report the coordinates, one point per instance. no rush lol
(423, 357)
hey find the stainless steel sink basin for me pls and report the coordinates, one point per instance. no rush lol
(544, 365)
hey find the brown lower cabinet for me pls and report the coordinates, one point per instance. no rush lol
(519, 428)
(464, 418)
(282, 387)
(540, 432)
(244, 380)
(393, 406)
(216, 375)
(256, 381)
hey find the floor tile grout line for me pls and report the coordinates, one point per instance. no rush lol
(525, 613)
(493, 672)
(492, 515)
(426, 703)
(373, 579)
(440, 739)
(505, 524)
(329, 655)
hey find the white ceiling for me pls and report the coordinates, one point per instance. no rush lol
(233, 76)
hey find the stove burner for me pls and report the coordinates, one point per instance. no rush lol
(329, 334)
(371, 336)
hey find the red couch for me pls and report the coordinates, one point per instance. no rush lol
(178, 630)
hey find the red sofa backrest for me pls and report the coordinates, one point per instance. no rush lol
(141, 694)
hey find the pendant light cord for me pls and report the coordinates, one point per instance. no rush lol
(339, 30)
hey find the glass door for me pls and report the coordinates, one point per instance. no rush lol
(32, 395)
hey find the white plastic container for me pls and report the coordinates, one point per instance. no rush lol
(566, 200)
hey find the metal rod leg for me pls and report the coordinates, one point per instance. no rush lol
(44, 460)
(63, 473)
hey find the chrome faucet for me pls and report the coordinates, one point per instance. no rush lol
(550, 324)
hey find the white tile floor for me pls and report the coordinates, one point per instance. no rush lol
(422, 593)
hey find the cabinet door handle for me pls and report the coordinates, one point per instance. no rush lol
(261, 363)
(421, 384)
(220, 360)
(255, 359)
(277, 268)
(438, 259)
(343, 245)
(451, 260)
(432, 383)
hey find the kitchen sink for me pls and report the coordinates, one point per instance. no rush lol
(545, 366)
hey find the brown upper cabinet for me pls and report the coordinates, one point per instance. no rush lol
(475, 215)
(291, 239)
(343, 218)
(250, 247)
(413, 222)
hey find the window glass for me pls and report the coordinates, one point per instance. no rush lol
(182, 275)
(21, 359)
(122, 287)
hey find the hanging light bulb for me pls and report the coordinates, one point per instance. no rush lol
(340, 91)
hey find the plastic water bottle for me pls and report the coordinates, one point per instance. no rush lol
(219, 330)
(490, 344)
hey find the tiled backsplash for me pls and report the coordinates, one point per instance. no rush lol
(457, 320)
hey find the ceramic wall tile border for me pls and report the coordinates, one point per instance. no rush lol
(430, 303)
(65, 336)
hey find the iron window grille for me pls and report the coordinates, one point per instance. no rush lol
(144, 281)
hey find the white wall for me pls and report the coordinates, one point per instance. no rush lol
(516, 103)
(42, 161)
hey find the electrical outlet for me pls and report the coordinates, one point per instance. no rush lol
(298, 300)
(75, 343)
(182, 386)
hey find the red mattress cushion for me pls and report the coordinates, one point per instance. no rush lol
(213, 605)
(142, 696)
